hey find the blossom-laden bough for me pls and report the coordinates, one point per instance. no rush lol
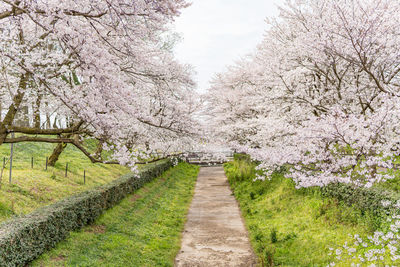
(320, 94)
(104, 67)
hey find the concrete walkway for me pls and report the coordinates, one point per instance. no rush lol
(214, 233)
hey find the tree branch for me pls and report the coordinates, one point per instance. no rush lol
(28, 130)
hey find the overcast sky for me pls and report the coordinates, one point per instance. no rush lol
(217, 32)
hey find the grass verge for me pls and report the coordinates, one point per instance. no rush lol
(143, 230)
(31, 188)
(290, 227)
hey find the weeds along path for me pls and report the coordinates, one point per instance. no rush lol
(143, 230)
(214, 233)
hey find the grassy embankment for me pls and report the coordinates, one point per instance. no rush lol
(290, 227)
(32, 188)
(143, 230)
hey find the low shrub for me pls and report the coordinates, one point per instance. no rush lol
(241, 156)
(25, 238)
(368, 200)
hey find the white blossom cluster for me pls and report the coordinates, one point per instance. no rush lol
(107, 66)
(321, 94)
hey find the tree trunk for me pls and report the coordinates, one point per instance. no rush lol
(56, 154)
(12, 110)
(55, 122)
(36, 118)
(1, 109)
(99, 149)
(16, 102)
(48, 121)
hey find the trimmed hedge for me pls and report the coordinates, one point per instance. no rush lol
(25, 238)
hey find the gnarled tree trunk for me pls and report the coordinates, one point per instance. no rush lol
(56, 154)
(36, 117)
(12, 110)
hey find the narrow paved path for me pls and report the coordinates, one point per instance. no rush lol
(214, 233)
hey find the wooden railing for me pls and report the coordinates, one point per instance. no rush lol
(208, 158)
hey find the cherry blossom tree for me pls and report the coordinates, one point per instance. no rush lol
(321, 93)
(103, 66)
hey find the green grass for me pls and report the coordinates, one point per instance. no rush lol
(32, 188)
(290, 227)
(143, 230)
